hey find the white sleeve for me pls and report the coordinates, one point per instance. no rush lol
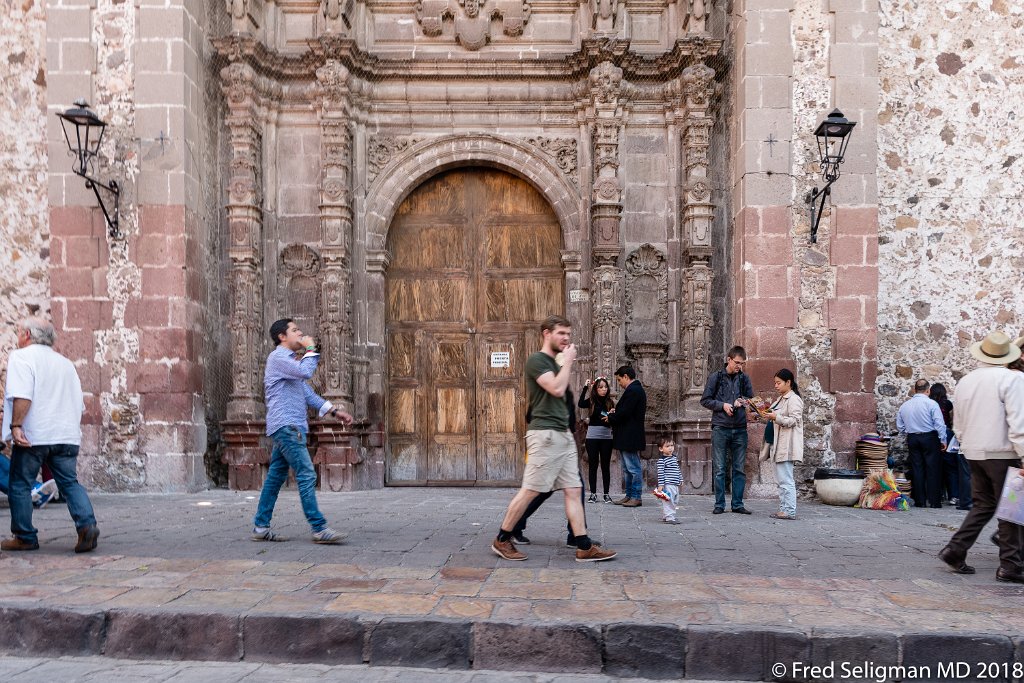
(1012, 391)
(21, 382)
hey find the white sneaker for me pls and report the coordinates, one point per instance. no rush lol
(329, 536)
(43, 493)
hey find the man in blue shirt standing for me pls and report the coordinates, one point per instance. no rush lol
(289, 366)
(920, 419)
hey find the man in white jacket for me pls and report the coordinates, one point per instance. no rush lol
(989, 422)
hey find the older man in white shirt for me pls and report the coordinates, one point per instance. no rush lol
(989, 422)
(920, 419)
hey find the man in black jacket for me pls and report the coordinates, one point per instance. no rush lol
(729, 427)
(628, 433)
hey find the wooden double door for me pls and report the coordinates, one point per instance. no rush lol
(476, 265)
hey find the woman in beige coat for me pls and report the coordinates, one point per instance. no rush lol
(787, 446)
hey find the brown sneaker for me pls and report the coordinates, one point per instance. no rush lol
(595, 554)
(632, 503)
(18, 544)
(87, 536)
(506, 550)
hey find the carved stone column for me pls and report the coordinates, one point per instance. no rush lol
(605, 117)
(335, 232)
(698, 215)
(245, 226)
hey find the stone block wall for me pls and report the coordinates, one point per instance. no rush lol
(951, 173)
(808, 307)
(131, 312)
(24, 223)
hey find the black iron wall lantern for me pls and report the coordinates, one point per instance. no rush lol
(84, 131)
(833, 135)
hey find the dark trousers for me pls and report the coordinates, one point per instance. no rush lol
(964, 499)
(987, 478)
(951, 475)
(599, 451)
(538, 500)
(925, 469)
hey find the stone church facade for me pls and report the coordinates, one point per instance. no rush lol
(419, 183)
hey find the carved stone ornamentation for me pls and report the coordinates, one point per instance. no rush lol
(646, 296)
(695, 19)
(299, 259)
(335, 327)
(563, 151)
(698, 209)
(605, 116)
(472, 19)
(696, 323)
(381, 149)
(607, 317)
(605, 17)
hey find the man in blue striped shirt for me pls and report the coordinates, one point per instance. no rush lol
(920, 419)
(289, 366)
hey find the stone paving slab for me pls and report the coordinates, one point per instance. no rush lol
(108, 670)
(424, 555)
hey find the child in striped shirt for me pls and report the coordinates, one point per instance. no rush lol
(670, 478)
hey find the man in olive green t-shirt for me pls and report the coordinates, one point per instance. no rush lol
(552, 461)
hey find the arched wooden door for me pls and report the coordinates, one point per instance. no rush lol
(475, 267)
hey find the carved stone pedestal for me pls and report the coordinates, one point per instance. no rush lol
(245, 454)
(336, 456)
(693, 443)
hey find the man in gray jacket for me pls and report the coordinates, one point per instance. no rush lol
(989, 422)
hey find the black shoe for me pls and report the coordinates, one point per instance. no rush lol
(608, 499)
(965, 508)
(994, 538)
(592, 498)
(718, 511)
(1009, 577)
(742, 511)
(935, 506)
(570, 542)
(518, 537)
(957, 564)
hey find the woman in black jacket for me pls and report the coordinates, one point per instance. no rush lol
(599, 434)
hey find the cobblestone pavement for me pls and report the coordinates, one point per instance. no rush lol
(426, 552)
(107, 670)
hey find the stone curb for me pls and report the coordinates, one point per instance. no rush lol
(658, 651)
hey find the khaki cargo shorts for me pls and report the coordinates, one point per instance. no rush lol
(552, 461)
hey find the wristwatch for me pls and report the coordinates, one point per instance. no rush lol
(333, 412)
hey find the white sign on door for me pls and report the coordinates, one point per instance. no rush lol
(501, 359)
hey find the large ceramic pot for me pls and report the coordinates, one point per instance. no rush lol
(838, 487)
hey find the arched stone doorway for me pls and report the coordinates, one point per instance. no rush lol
(475, 265)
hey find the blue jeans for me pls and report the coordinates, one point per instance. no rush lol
(25, 465)
(290, 451)
(729, 444)
(787, 487)
(5, 473)
(634, 473)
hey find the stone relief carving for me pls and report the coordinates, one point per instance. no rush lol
(646, 296)
(299, 259)
(381, 149)
(605, 17)
(563, 151)
(695, 19)
(471, 19)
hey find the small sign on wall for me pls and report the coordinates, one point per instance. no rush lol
(578, 295)
(501, 359)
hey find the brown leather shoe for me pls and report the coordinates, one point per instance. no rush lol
(957, 564)
(18, 544)
(621, 501)
(595, 554)
(1011, 577)
(87, 536)
(632, 503)
(506, 550)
